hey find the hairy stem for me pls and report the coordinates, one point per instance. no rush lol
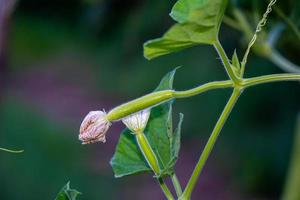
(226, 62)
(210, 144)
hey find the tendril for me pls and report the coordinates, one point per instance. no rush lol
(259, 27)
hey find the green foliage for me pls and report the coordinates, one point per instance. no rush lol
(66, 193)
(129, 160)
(235, 63)
(198, 23)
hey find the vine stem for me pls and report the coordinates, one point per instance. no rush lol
(270, 78)
(210, 144)
(156, 98)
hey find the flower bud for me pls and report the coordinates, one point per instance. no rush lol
(94, 127)
(137, 122)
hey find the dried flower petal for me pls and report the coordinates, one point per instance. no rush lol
(137, 122)
(94, 127)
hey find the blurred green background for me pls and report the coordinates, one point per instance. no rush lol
(67, 57)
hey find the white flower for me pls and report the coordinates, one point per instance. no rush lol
(137, 122)
(94, 127)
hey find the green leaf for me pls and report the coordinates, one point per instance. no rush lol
(176, 139)
(236, 63)
(66, 193)
(175, 147)
(198, 23)
(128, 159)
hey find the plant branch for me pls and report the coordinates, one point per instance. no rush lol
(226, 63)
(270, 78)
(210, 144)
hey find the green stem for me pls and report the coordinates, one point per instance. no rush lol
(165, 189)
(226, 62)
(203, 88)
(270, 78)
(210, 144)
(176, 185)
(152, 161)
(11, 151)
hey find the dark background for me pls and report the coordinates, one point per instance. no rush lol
(67, 57)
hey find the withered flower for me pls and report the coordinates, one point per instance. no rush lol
(94, 127)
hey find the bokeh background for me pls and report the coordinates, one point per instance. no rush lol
(63, 58)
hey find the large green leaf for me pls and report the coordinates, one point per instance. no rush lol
(129, 160)
(66, 193)
(198, 23)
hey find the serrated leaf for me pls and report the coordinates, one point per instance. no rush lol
(198, 23)
(128, 159)
(66, 193)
